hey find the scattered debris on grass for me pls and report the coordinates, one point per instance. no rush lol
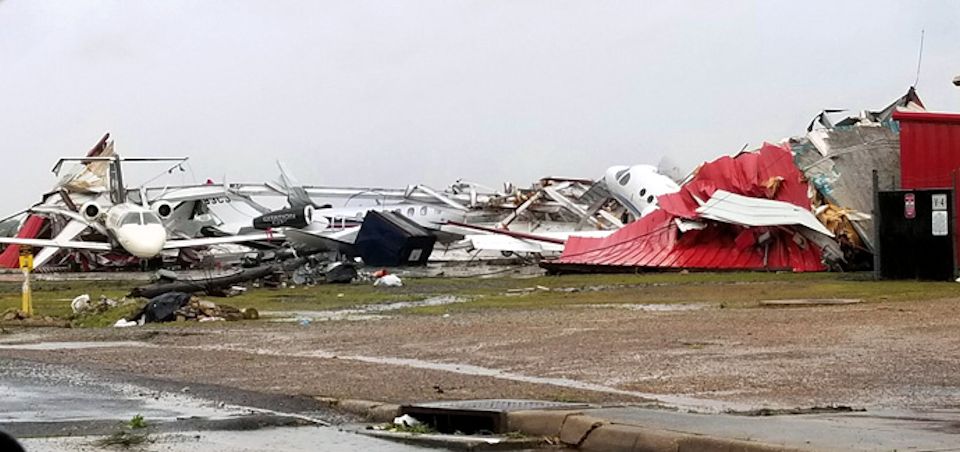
(16, 317)
(180, 306)
(387, 280)
(123, 438)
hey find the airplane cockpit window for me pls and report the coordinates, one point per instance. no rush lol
(130, 218)
(150, 218)
(624, 179)
(621, 172)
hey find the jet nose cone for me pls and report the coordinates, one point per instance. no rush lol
(144, 242)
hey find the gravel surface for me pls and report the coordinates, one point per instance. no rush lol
(870, 355)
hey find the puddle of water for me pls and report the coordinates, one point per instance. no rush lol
(365, 312)
(656, 307)
(73, 345)
(47, 393)
(293, 439)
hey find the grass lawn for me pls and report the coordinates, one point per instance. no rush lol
(733, 290)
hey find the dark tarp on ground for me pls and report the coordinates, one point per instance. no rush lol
(340, 273)
(389, 239)
(162, 307)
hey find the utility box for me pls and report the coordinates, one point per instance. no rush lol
(390, 239)
(916, 234)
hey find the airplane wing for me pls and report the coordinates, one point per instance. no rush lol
(494, 242)
(500, 242)
(66, 235)
(446, 237)
(341, 241)
(70, 244)
(212, 193)
(207, 241)
(63, 240)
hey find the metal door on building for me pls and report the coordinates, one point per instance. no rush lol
(916, 234)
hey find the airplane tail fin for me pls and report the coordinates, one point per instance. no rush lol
(297, 196)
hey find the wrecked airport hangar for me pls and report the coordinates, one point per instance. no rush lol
(804, 204)
(749, 212)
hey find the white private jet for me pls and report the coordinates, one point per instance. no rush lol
(107, 221)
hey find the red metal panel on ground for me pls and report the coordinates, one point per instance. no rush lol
(930, 152)
(654, 241)
(10, 258)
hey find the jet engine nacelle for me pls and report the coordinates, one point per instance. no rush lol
(285, 218)
(163, 209)
(91, 211)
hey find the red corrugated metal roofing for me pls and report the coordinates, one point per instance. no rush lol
(766, 173)
(10, 258)
(654, 241)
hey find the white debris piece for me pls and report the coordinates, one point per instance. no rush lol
(406, 420)
(80, 304)
(388, 281)
(124, 323)
(748, 211)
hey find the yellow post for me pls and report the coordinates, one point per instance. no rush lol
(26, 265)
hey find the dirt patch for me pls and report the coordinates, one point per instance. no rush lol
(901, 354)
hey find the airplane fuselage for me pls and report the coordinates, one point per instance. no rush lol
(637, 187)
(137, 229)
(425, 215)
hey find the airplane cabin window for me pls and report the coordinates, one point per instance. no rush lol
(130, 218)
(411, 211)
(643, 192)
(423, 210)
(626, 178)
(650, 199)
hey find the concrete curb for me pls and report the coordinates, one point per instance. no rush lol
(367, 409)
(576, 428)
(588, 433)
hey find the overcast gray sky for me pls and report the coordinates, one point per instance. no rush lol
(398, 92)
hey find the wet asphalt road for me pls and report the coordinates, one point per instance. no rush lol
(53, 407)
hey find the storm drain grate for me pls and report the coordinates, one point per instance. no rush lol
(478, 416)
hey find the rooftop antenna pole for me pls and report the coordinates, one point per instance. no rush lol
(919, 60)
